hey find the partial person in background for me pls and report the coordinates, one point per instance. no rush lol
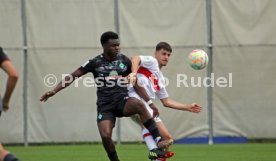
(10, 70)
(150, 82)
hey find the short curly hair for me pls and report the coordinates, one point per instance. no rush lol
(108, 35)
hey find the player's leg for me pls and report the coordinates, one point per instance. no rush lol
(149, 141)
(164, 132)
(6, 156)
(134, 106)
(161, 127)
(3, 152)
(167, 136)
(105, 129)
(151, 144)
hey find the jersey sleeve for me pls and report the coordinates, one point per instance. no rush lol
(147, 61)
(87, 67)
(162, 93)
(3, 56)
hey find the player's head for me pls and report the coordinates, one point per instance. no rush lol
(110, 43)
(163, 52)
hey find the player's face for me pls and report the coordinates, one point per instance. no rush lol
(112, 48)
(162, 57)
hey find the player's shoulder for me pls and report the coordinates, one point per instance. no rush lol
(2, 52)
(92, 61)
(148, 59)
(123, 56)
(96, 59)
(3, 55)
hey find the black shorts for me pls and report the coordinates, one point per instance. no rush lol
(115, 109)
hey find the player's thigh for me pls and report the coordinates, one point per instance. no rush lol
(164, 132)
(133, 106)
(105, 128)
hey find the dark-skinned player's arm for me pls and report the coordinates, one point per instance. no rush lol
(62, 84)
(9, 68)
(135, 62)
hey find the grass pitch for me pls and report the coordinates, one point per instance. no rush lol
(138, 152)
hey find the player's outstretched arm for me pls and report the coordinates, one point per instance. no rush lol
(194, 107)
(8, 67)
(62, 84)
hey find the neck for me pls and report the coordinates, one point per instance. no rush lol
(108, 57)
(160, 66)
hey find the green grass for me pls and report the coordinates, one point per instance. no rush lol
(138, 152)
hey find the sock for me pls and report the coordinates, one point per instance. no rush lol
(113, 156)
(10, 157)
(148, 139)
(151, 126)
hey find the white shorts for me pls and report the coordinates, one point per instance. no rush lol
(156, 119)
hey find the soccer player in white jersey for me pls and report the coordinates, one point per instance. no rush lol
(150, 82)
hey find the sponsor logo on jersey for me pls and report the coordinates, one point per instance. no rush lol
(121, 65)
(113, 73)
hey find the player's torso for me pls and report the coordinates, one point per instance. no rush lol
(152, 65)
(110, 69)
(109, 77)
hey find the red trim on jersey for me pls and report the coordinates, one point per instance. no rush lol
(146, 135)
(150, 76)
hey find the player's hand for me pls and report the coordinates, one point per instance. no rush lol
(155, 110)
(131, 78)
(195, 108)
(47, 95)
(6, 106)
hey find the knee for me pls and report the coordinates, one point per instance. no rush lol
(141, 108)
(106, 137)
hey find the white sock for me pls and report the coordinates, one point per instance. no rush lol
(148, 139)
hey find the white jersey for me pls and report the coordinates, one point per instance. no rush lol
(151, 64)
